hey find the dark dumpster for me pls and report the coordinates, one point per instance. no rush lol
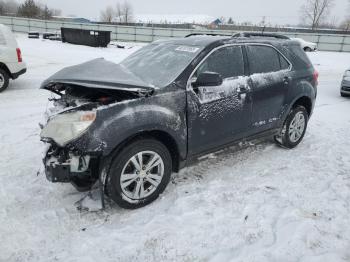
(93, 38)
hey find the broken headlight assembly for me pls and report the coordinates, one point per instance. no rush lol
(64, 128)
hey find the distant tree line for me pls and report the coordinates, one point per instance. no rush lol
(28, 9)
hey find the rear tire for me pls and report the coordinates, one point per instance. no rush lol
(132, 183)
(294, 128)
(307, 49)
(4, 80)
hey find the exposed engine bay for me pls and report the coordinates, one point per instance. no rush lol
(73, 96)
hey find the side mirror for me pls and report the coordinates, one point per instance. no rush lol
(208, 79)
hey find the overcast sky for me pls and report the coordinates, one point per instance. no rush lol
(276, 11)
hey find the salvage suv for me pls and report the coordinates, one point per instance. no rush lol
(130, 125)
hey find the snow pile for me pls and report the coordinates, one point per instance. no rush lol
(256, 202)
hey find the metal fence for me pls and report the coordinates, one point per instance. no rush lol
(325, 42)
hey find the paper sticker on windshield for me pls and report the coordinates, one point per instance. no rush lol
(189, 49)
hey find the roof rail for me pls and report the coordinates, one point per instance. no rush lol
(253, 34)
(197, 34)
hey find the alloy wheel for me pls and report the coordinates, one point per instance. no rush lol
(296, 127)
(2, 80)
(141, 175)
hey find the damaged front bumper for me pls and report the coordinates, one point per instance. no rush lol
(64, 165)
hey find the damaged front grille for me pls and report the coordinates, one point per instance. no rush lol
(66, 165)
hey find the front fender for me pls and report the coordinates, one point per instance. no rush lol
(116, 123)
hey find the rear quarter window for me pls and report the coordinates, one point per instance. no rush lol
(284, 63)
(299, 56)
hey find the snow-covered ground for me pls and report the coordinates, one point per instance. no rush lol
(260, 203)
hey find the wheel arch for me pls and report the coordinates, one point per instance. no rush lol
(304, 101)
(5, 68)
(159, 135)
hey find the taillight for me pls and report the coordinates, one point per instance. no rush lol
(316, 74)
(19, 55)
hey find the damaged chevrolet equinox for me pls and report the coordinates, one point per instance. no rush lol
(128, 126)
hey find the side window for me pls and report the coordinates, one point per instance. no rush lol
(226, 61)
(263, 59)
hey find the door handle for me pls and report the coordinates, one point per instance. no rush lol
(286, 80)
(242, 90)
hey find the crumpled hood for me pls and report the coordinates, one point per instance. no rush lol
(97, 73)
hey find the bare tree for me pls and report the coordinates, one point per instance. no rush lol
(119, 13)
(29, 9)
(315, 12)
(11, 7)
(346, 24)
(8, 7)
(263, 22)
(46, 13)
(127, 12)
(2, 8)
(107, 15)
(124, 12)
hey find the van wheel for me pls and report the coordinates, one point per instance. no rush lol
(294, 128)
(139, 173)
(4, 80)
(307, 49)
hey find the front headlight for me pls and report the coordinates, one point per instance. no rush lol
(67, 127)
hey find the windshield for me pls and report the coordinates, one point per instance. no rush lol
(160, 64)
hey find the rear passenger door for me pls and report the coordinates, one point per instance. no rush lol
(270, 77)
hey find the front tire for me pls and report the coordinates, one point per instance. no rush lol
(139, 173)
(4, 80)
(307, 49)
(294, 128)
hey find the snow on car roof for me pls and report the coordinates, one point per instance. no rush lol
(200, 40)
(205, 40)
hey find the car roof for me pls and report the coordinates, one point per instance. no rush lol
(200, 40)
(205, 40)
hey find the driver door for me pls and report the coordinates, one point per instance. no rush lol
(218, 115)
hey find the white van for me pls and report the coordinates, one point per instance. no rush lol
(11, 64)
